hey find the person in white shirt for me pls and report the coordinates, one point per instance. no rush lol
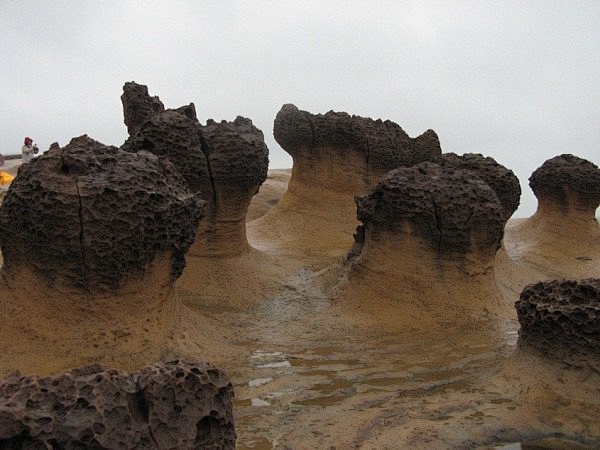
(28, 150)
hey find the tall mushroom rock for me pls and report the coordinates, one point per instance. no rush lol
(89, 217)
(502, 180)
(559, 320)
(178, 404)
(337, 150)
(225, 162)
(562, 238)
(93, 240)
(336, 156)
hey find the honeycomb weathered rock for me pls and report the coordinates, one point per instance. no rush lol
(178, 404)
(502, 180)
(561, 319)
(224, 162)
(383, 144)
(92, 216)
(567, 179)
(453, 211)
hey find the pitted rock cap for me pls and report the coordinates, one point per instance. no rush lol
(454, 211)
(93, 215)
(556, 177)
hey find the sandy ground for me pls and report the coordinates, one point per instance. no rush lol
(312, 370)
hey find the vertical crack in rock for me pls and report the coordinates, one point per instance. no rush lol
(84, 267)
(205, 150)
(312, 129)
(437, 223)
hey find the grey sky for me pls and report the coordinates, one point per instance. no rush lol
(515, 80)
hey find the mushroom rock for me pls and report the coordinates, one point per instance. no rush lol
(178, 404)
(238, 161)
(336, 156)
(502, 180)
(93, 239)
(562, 238)
(429, 237)
(559, 320)
(225, 162)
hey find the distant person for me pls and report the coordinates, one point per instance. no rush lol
(28, 150)
(1, 159)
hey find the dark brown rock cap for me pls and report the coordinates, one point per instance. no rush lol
(220, 150)
(236, 151)
(453, 211)
(560, 319)
(178, 404)
(502, 180)
(384, 144)
(93, 215)
(567, 178)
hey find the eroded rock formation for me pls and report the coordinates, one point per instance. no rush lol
(93, 239)
(562, 238)
(336, 156)
(502, 180)
(224, 162)
(178, 404)
(90, 216)
(426, 246)
(559, 320)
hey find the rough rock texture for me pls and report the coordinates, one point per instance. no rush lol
(138, 106)
(451, 210)
(92, 216)
(567, 180)
(383, 144)
(174, 405)
(336, 157)
(561, 319)
(502, 180)
(224, 162)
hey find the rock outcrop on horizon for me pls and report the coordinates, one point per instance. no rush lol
(336, 157)
(225, 162)
(177, 404)
(559, 320)
(426, 247)
(502, 180)
(562, 238)
(89, 217)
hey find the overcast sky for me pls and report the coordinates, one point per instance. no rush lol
(515, 80)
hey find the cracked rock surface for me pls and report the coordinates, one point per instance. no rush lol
(502, 180)
(173, 405)
(448, 208)
(561, 319)
(91, 216)
(225, 162)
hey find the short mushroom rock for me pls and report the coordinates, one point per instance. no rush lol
(93, 239)
(502, 180)
(224, 162)
(567, 182)
(559, 320)
(90, 217)
(562, 238)
(178, 404)
(336, 156)
(424, 254)
(453, 213)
